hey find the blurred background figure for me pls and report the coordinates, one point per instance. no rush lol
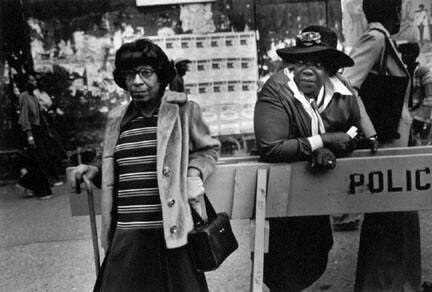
(181, 66)
(48, 111)
(421, 19)
(420, 101)
(35, 172)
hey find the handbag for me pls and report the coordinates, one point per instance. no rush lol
(383, 96)
(210, 243)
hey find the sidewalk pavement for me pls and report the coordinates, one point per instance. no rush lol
(44, 248)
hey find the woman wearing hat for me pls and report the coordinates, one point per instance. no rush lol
(304, 112)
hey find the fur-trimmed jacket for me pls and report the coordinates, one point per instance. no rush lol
(183, 141)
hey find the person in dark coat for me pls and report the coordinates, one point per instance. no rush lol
(305, 112)
(35, 172)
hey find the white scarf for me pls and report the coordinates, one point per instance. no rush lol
(317, 125)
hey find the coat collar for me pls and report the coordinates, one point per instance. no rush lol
(317, 125)
(168, 97)
(332, 86)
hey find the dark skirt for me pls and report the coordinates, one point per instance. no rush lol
(389, 253)
(138, 260)
(35, 160)
(298, 252)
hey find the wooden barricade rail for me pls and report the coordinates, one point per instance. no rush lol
(394, 179)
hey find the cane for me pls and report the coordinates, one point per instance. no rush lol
(92, 213)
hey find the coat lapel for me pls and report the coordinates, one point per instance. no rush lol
(167, 117)
(113, 129)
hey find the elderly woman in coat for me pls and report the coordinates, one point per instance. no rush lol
(305, 112)
(157, 153)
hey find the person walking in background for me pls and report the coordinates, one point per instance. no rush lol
(157, 153)
(389, 252)
(420, 102)
(181, 67)
(304, 112)
(55, 150)
(34, 174)
(421, 19)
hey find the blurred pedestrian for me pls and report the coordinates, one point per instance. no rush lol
(389, 252)
(157, 153)
(34, 175)
(54, 147)
(181, 67)
(420, 102)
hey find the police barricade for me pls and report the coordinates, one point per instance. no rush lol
(394, 179)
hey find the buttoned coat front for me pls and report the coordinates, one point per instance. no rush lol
(183, 141)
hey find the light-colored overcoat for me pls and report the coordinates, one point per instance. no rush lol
(183, 141)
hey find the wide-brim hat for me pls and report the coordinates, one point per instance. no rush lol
(316, 41)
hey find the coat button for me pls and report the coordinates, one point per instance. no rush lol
(173, 229)
(171, 203)
(166, 171)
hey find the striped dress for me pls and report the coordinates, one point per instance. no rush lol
(138, 202)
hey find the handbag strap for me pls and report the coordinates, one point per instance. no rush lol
(211, 213)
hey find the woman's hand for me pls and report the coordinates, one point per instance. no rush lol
(195, 187)
(77, 173)
(338, 142)
(322, 159)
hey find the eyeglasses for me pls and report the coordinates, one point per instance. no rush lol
(143, 73)
(311, 62)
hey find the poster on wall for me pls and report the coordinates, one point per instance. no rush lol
(416, 25)
(222, 77)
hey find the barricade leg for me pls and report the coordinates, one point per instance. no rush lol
(258, 257)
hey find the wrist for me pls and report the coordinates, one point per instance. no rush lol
(30, 138)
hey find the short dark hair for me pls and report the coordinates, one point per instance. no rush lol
(380, 10)
(143, 52)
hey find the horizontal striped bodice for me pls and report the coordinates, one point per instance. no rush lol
(138, 201)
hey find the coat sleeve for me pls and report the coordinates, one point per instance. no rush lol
(365, 53)
(365, 123)
(203, 149)
(273, 129)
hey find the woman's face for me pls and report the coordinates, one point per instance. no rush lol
(309, 75)
(142, 84)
